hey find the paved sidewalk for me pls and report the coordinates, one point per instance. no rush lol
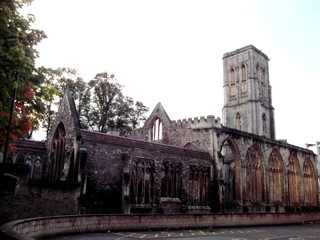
(310, 231)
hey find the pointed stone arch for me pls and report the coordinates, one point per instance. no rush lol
(232, 162)
(255, 175)
(57, 153)
(276, 177)
(294, 173)
(233, 85)
(244, 77)
(141, 181)
(309, 183)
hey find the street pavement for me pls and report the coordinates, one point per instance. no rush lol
(308, 231)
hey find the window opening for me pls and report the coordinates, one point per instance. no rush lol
(243, 78)
(156, 130)
(233, 83)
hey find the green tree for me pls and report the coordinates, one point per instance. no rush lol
(53, 89)
(109, 108)
(17, 56)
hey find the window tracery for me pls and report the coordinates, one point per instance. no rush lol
(264, 124)
(156, 131)
(309, 183)
(293, 179)
(57, 153)
(276, 179)
(171, 180)
(199, 184)
(141, 181)
(255, 174)
(244, 75)
(232, 83)
(37, 168)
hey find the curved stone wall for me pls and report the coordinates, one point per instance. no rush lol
(59, 225)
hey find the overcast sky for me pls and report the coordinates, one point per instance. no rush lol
(171, 51)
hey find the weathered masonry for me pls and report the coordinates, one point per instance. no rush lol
(196, 165)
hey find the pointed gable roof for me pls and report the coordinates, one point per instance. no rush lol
(74, 113)
(67, 113)
(160, 113)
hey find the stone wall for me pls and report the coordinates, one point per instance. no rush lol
(24, 190)
(104, 170)
(63, 225)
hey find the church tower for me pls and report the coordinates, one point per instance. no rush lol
(247, 92)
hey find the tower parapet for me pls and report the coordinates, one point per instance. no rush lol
(198, 123)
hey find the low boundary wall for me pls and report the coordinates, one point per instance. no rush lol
(59, 225)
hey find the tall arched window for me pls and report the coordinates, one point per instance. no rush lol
(258, 74)
(141, 181)
(156, 130)
(263, 84)
(255, 175)
(57, 153)
(293, 179)
(264, 124)
(244, 76)
(238, 121)
(309, 184)
(171, 180)
(276, 179)
(199, 185)
(232, 83)
(231, 161)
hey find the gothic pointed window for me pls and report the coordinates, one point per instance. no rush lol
(141, 182)
(231, 160)
(238, 121)
(263, 84)
(276, 177)
(264, 124)
(293, 179)
(255, 175)
(57, 153)
(232, 83)
(37, 168)
(156, 133)
(309, 184)
(171, 180)
(244, 76)
(258, 73)
(199, 185)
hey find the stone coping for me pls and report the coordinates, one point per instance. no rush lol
(28, 229)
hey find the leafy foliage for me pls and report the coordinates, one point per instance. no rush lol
(17, 56)
(100, 102)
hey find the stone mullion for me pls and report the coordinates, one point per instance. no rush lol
(136, 193)
(191, 180)
(271, 185)
(197, 187)
(248, 177)
(53, 160)
(57, 161)
(296, 187)
(62, 155)
(279, 185)
(143, 183)
(201, 187)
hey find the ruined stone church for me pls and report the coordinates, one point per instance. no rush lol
(196, 165)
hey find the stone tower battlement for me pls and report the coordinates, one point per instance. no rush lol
(198, 123)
